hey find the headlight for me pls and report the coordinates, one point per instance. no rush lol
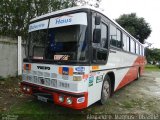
(24, 88)
(77, 78)
(69, 100)
(28, 89)
(61, 98)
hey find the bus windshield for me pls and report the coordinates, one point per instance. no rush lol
(66, 44)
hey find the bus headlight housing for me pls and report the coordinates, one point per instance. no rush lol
(28, 89)
(61, 98)
(24, 88)
(69, 100)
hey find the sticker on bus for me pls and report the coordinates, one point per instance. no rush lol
(80, 69)
(99, 78)
(61, 57)
(80, 100)
(91, 81)
(63, 85)
(54, 83)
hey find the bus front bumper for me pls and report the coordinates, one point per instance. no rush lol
(63, 98)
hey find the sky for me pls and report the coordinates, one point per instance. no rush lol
(148, 9)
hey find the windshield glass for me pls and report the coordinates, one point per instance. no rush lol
(66, 43)
(37, 44)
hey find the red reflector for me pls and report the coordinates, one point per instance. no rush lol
(27, 66)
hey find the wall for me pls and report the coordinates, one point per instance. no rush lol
(9, 56)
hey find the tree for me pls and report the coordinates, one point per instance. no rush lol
(137, 27)
(153, 55)
(94, 3)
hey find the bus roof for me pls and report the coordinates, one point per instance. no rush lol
(83, 7)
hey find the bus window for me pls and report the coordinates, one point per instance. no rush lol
(128, 44)
(132, 46)
(104, 31)
(113, 35)
(137, 48)
(124, 42)
(118, 38)
(140, 49)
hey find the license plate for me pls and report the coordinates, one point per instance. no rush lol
(64, 85)
(41, 98)
(65, 77)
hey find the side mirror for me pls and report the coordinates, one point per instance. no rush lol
(97, 20)
(97, 36)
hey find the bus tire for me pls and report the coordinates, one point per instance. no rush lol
(138, 74)
(106, 90)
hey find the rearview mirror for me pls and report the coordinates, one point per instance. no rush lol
(97, 36)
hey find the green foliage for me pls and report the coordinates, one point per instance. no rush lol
(153, 55)
(138, 27)
(152, 68)
(95, 3)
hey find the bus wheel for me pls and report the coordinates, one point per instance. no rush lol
(106, 90)
(138, 74)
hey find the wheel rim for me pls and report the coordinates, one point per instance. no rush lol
(106, 90)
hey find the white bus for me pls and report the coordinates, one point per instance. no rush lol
(78, 56)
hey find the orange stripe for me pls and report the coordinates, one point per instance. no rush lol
(24, 66)
(60, 70)
(95, 67)
(29, 67)
(70, 71)
(132, 72)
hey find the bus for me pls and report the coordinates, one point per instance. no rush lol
(78, 56)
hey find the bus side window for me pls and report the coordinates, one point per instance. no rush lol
(140, 49)
(128, 44)
(113, 35)
(137, 48)
(102, 54)
(124, 42)
(132, 46)
(119, 34)
(104, 34)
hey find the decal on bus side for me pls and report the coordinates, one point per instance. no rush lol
(61, 21)
(91, 79)
(99, 78)
(38, 25)
(80, 69)
(71, 19)
(80, 100)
